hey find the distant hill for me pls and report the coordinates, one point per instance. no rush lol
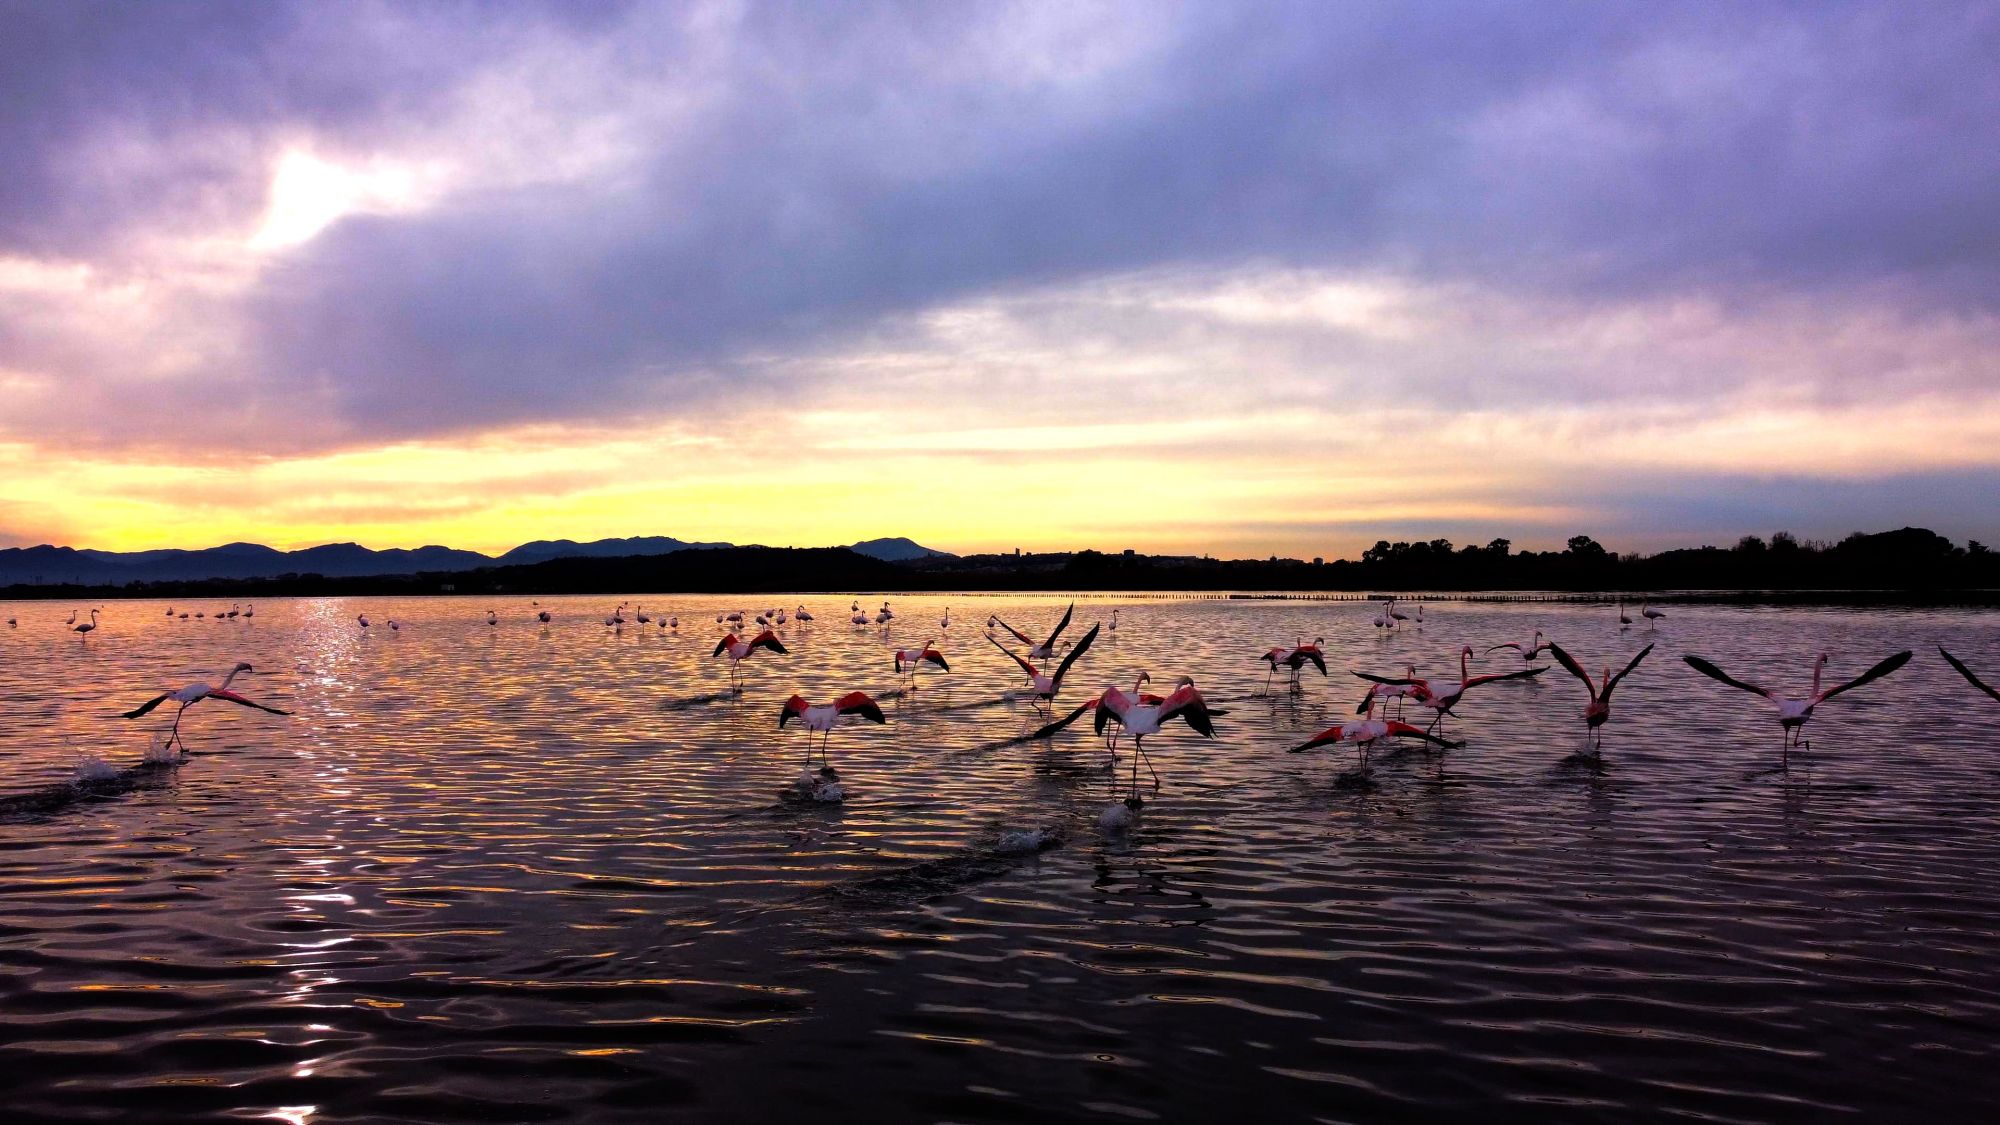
(897, 549)
(49, 565)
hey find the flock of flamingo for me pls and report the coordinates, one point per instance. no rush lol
(1046, 664)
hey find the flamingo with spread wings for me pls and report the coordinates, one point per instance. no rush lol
(1295, 658)
(1045, 687)
(1529, 651)
(1598, 711)
(1444, 695)
(1365, 733)
(821, 718)
(194, 693)
(908, 660)
(1140, 719)
(1045, 650)
(738, 650)
(1794, 714)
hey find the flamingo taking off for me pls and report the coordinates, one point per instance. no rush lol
(1442, 696)
(1598, 711)
(908, 660)
(821, 718)
(738, 650)
(1529, 651)
(195, 693)
(1365, 733)
(1046, 687)
(1794, 714)
(1954, 661)
(1110, 741)
(1295, 658)
(1046, 649)
(1141, 719)
(1405, 688)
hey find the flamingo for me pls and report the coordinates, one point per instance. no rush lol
(945, 621)
(1111, 741)
(235, 608)
(802, 615)
(1649, 613)
(821, 718)
(1528, 651)
(1407, 688)
(1442, 696)
(543, 615)
(72, 618)
(13, 622)
(1114, 621)
(1141, 719)
(492, 618)
(1295, 658)
(1624, 619)
(250, 611)
(674, 623)
(1045, 650)
(1396, 615)
(1364, 733)
(194, 693)
(1046, 687)
(170, 611)
(363, 618)
(1954, 661)
(1794, 714)
(909, 659)
(1598, 712)
(642, 615)
(738, 650)
(395, 625)
(87, 626)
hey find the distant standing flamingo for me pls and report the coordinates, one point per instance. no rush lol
(1598, 711)
(1649, 613)
(194, 693)
(492, 618)
(1794, 714)
(89, 625)
(1624, 619)
(1954, 661)
(738, 650)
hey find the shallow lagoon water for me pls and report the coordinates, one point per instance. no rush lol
(545, 874)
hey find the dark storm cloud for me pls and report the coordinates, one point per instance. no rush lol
(796, 172)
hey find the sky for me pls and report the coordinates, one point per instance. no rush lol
(1237, 279)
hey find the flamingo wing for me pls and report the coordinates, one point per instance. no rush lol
(1082, 647)
(1575, 669)
(1187, 703)
(722, 645)
(937, 658)
(1374, 679)
(232, 697)
(166, 695)
(1327, 737)
(1722, 677)
(1612, 684)
(793, 708)
(858, 703)
(1871, 675)
(1955, 662)
(1111, 708)
(1061, 625)
(1018, 635)
(1050, 730)
(1405, 730)
(768, 639)
(1519, 674)
(1509, 644)
(1315, 658)
(1025, 666)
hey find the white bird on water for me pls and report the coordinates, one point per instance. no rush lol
(194, 693)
